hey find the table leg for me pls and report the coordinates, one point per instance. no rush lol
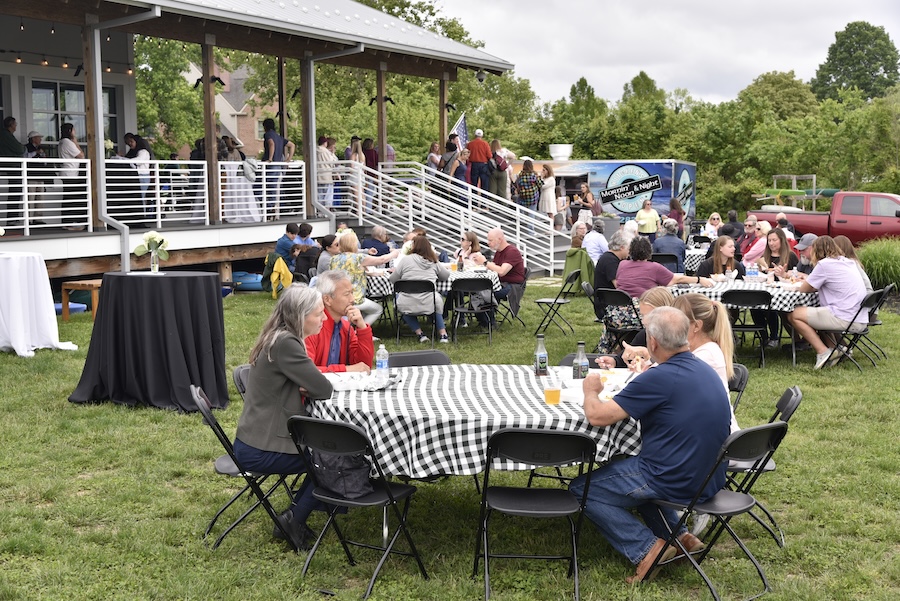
(95, 302)
(65, 304)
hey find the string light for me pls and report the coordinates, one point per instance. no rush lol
(52, 28)
(107, 37)
(65, 64)
(108, 68)
(21, 25)
(19, 59)
(130, 70)
(44, 61)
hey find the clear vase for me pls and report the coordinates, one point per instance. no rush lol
(154, 261)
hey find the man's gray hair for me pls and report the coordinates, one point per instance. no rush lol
(327, 281)
(669, 327)
(671, 226)
(599, 224)
(619, 240)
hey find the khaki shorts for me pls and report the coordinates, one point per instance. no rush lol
(820, 318)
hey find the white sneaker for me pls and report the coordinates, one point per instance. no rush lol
(821, 358)
(424, 338)
(700, 521)
(444, 339)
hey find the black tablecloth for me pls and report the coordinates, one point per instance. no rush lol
(154, 336)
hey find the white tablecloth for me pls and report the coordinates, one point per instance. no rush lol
(784, 297)
(692, 259)
(27, 316)
(438, 419)
(380, 285)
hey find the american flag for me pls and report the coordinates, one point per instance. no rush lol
(462, 130)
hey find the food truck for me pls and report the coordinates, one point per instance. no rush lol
(623, 186)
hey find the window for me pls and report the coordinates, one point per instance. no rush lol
(852, 205)
(882, 206)
(55, 103)
(260, 130)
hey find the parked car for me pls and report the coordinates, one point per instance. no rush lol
(858, 215)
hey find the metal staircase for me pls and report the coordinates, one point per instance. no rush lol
(407, 194)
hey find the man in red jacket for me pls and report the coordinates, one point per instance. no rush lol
(479, 155)
(345, 341)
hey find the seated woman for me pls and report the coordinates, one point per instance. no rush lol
(722, 260)
(350, 260)
(710, 336)
(710, 229)
(777, 254)
(841, 292)
(846, 247)
(578, 258)
(282, 378)
(651, 299)
(469, 247)
(638, 274)
(757, 249)
(421, 264)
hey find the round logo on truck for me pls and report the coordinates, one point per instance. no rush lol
(623, 175)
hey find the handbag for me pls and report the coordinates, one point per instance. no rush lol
(344, 475)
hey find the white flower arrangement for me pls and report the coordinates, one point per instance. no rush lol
(153, 241)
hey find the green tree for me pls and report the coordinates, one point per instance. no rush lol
(787, 95)
(862, 56)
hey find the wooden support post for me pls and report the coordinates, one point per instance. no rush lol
(282, 98)
(381, 92)
(87, 59)
(443, 100)
(209, 122)
(307, 131)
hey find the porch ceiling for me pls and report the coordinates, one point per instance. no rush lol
(288, 28)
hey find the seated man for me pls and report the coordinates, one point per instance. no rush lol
(509, 267)
(682, 429)
(670, 243)
(595, 242)
(342, 344)
(286, 242)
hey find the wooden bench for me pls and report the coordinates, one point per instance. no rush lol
(92, 285)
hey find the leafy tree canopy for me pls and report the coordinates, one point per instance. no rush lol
(862, 56)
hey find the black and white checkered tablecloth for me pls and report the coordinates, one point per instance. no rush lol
(438, 419)
(692, 258)
(783, 299)
(380, 285)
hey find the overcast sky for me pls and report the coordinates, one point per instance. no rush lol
(712, 48)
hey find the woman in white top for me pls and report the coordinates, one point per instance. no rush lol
(240, 204)
(74, 192)
(358, 160)
(434, 156)
(548, 192)
(711, 227)
(710, 336)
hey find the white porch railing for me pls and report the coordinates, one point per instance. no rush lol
(404, 195)
(39, 194)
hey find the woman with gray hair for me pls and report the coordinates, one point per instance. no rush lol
(670, 243)
(281, 381)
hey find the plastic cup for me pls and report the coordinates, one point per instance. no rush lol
(552, 387)
(452, 266)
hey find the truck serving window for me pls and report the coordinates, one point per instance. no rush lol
(882, 206)
(852, 205)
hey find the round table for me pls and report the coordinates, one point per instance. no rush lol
(155, 335)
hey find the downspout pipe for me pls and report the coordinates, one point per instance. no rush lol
(98, 150)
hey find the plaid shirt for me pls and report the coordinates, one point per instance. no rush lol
(529, 187)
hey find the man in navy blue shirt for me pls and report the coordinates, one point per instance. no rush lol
(683, 426)
(284, 244)
(670, 243)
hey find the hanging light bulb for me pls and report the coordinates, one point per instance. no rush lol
(108, 68)
(44, 61)
(52, 28)
(65, 64)
(130, 70)
(21, 25)
(19, 59)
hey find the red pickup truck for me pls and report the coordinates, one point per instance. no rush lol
(858, 215)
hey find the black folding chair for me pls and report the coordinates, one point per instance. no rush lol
(759, 300)
(608, 298)
(551, 306)
(537, 448)
(228, 465)
(874, 320)
(508, 308)
(337, 438)
(417, 287)
(418, 358)
(472, 296)
(848, 340)
(667, 260)
(740, 472)
(738, 383)
(755, 445)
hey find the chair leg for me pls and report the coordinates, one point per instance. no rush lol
(779, 536)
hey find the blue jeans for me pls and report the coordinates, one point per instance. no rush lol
(616, 489)
(413, 322)
(481, 176)
(270, 462)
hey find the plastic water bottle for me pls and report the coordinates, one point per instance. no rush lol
(753, 271)
(382, 371)
(540, 357)
(580, 366)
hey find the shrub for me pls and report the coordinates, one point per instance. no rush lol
(881, 260)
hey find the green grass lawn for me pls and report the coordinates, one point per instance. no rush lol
(107, 502)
